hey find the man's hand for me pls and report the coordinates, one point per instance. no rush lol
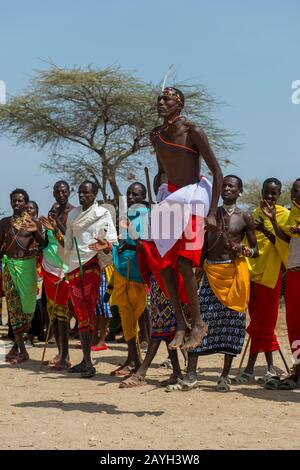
(49, 223)
(211, 223)
(28, 226)
(260, 224)
(99, 245)
(235, 248)
(296, 228)
(269, 211)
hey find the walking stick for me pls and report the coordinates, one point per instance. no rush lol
(148, 186)
(284, 361)
(244, 354)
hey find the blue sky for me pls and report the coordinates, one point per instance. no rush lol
(246, 53)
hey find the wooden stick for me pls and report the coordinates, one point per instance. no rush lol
(244, 354)
(284, 361)
(51, 317)
(148, 186)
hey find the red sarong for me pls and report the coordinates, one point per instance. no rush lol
(292, 304)
(263, 310)
(150, 261)
(84, 295)
(57, 293)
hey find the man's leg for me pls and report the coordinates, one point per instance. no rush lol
(63, 328)
(169, 279)
(228, 358)
(145, 326)
(22, 356)
(191, 374)
(142, 370)
(199, 328)
(96, 330)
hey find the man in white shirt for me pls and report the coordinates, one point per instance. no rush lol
(90, 229)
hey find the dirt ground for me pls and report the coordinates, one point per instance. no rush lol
(53, 410)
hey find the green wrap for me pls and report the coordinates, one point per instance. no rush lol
(24, 276)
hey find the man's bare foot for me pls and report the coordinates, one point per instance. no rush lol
(123, 371)
(54, 360)
(62, 365)
(11, 354)
(196, 336)
(178, 340)
(133, 381)
(171, 380)
(21, 357)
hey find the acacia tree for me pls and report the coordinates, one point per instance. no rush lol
(95, 123)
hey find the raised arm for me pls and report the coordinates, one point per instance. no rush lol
(158, 177)
(199, 138)
(270, 212)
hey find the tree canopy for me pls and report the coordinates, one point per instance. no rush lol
(95, 123)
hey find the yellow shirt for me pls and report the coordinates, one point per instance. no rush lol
(265, 269)
(293, 219)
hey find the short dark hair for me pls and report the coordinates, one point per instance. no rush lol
(35, 206)
(61, 182)
(20, 191)
(95, 187)
(239, 180)
(273, 180)
(141, 185)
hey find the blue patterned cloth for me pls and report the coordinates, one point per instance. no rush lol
(103, 308)
(226, 327)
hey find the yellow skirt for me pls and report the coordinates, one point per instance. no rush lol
(130, 297)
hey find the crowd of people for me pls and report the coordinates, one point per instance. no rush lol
(183, 270)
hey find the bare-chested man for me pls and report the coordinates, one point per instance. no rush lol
(225, 289)
(19, 235)
(179, 144)
(56, 288)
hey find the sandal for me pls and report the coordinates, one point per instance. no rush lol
(290, 383)
(88, 373)
(187, 385)
(133, 381)
(79, 368)
(272, 382)
(223, 384)
(123, 371)
(170, 381)
(102, 347)
(244, 378)
(174, 387)
(182, 385)
(166, 364)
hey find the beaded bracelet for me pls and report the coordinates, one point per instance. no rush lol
(58, 235)
(248, 252)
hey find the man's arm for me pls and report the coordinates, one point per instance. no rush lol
(2, 233)
(158, 177)
(39, 236)
(201, 141)
(250, 234)
(270, 212)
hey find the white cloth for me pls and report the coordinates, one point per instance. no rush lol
(86, 226)
(193, 199)
(52, 269)
(294, 254)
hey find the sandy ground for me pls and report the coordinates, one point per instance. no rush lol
(49, 410)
